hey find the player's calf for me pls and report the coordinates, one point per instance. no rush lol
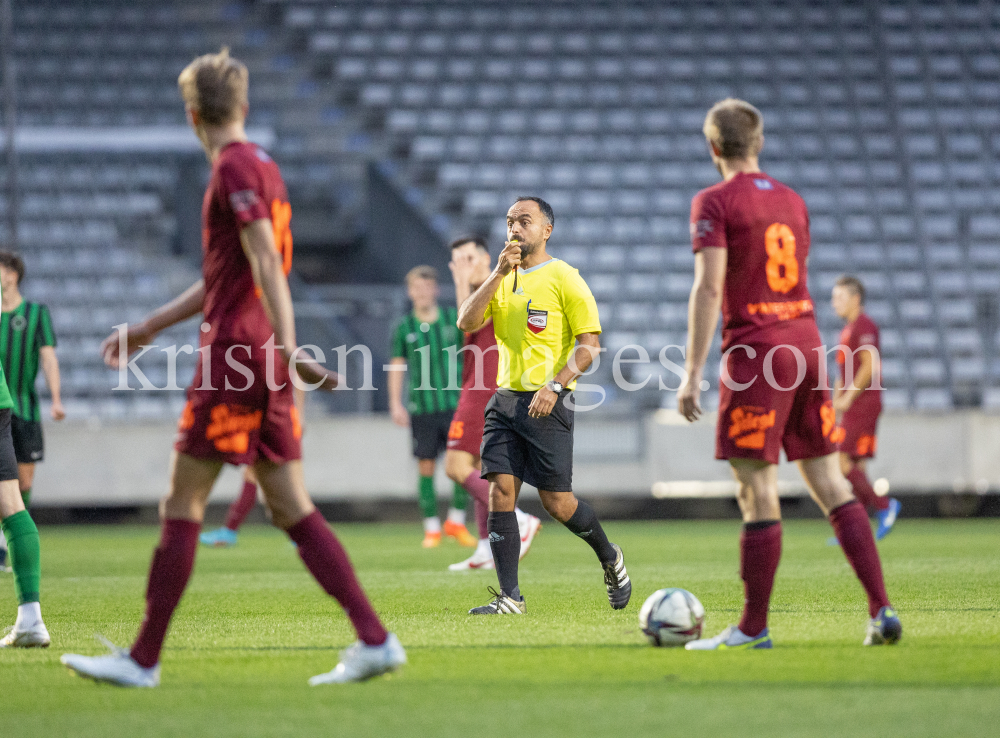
(25, 554)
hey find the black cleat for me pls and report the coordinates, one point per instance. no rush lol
(501, 605)
(617, 581)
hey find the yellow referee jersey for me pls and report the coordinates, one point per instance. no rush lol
(536, 327)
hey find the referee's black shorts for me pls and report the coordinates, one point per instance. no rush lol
(8, 462)
(29, 445)
(538, 451)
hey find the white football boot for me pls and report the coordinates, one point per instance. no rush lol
(360, 662)
(28, 630)
(35, 636)
(528, 526)
(481, 559)
(731, 638)
(118, 667)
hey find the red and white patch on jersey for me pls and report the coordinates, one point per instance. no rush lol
(537, 320)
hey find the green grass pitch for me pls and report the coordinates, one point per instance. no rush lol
(253, 627)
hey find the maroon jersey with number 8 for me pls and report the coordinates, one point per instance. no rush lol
(771, 402)
(764, 225)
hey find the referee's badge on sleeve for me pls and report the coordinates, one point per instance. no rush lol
(537, 320)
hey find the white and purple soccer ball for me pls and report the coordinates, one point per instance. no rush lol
(671, 617)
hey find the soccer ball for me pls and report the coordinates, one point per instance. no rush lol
(671, 617)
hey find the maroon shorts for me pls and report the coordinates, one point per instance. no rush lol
(758, 421)
(466, 431)
(858, 432)
(240, 426)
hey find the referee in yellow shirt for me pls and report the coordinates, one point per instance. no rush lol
(546, 324)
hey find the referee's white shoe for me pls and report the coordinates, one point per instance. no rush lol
(501, 605)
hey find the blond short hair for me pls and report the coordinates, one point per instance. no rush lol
(736, 128)
(216, 86)
(421, 272)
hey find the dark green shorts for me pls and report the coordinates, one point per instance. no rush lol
(8, 461)
(29, 446)
(430, 433)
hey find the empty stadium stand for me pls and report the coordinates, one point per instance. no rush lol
(883, 116)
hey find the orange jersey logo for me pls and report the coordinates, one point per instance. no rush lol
(783, 310)
(750, 426)
(187, 417)
(866, 445)
(231, 426)
(829, 418)
(456, 430)
(281, 220)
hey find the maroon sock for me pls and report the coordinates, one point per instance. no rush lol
(863, 490)
(241, 506)
(479, 489)
(327, 561)
(168, 576)
(850, 523)
(482, 518)
(760, 552)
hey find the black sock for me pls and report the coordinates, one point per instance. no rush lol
(760, 524)
(585, 525)
(505, 542)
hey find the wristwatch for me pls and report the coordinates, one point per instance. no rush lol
(554, 386)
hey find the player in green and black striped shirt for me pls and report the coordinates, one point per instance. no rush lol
(27, 343)
(426, 344)
(19, 531)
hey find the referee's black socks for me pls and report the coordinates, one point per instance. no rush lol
(505, 542)
(584, 523)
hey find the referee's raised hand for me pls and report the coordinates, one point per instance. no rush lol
(510, 257)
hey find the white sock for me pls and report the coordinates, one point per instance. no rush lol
(483, 547)
(456, 516)
(522, 516)
(432, 525)
(28, 615)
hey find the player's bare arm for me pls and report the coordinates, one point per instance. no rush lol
(50, 368)
(703, 315)
(588, 346)
(266, 265)
(843, 399)
(462, 268)
(186, 305)
(399, 413)
(471, 311)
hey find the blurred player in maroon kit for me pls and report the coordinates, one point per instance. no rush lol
(470, 267)
(241, 409)
(859, 404)
(750, 235)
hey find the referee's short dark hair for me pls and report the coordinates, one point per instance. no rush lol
(478, 240)
(542, 205)
(14, 262)
(853, 284)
